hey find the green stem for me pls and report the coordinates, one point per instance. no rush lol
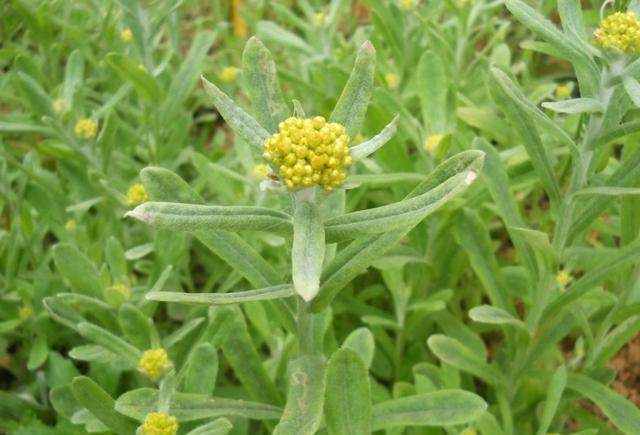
(305, 331)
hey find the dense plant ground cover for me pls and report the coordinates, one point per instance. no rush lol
(373, 216)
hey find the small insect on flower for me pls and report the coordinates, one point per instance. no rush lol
(159, 423)
(620, 30)
(308, 152)
(136, 195)
(85, 129)
(229, 73)
(25, 312)
(431, 143)
(154, 363)
(392, 80)
(59, 105)
(127, 36)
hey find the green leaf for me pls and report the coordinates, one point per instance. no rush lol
(164, 185)
(440, 408)
(188, 407)
(555, 388)
(38, 352)
(63, 400)
(352, 104)
(240, 121)
(456, 354)
(620, 411)
(303, 411)
(432, 87)
(34, 95)
(270, 31)
(608, 191)
(136, 326)
(347, 403)
(236, 297)
(195, 217)
(308, 249)
(221, 426)
(77, 269)
(200, 370)
(362, 342)
(576, 105)
(110, 342)
(632, 87)
(142, 81)
(367, 148)
(494, 316)
(73, 76)
(101, 405)
(261, 84)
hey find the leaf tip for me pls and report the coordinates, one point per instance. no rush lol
(140, 215)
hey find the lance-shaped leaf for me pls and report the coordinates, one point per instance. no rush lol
(238, 297)
(261, 83)
(240, 121)
(576, 105)
(347, 405)
(101, 405)
(352, 104)
(221, 426)
(361, 253)
(440, 408)
(303, 411)
(109, 341)
(632, 87)
(364, 149)
(143, 82)
(308, 249)
(494, 316)
(188, 407)
(195, 217)
(554, 394)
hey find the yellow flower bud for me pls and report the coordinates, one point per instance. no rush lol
(260, 171)
(392, 80)
(620, 30)
(142, 68)
(154, 362)
(158, 423)
(408, 5)
(229, 73)
(563, 91)
(309, 151)
(137, 195)
(122, 289)
(70, 225)
(563, 278)
(85, 129)
(431, 143)
(127, 36)
(59, 105)
(25, 312)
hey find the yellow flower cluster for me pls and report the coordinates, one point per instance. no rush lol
(620, 30)
(127, 36)
(154, 362)
(158, 423)
(563, 91)
(136, 195)
(85, 129)
(392, 80)
(563, 278)
(432, 142)
(229, 73)
(309, 151)
(25, 312)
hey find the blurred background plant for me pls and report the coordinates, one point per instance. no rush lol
(92, 92)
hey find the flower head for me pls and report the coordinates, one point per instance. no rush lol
(309, 151)
(85, 129)
(620, 30)
(408, 5)
(158, 423)
(127, 36)
(563, 278)
(136, 195)
(70, 225)
(260, 171)
(122, 289)
(563, 91)
(229, 73)
(154, 362)
(392, 80)
(432, 142)
(25, 312)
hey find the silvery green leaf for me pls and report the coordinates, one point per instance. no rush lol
(632, 87)
(308, 249)
(494, 316)
(236, 297)
(220, 426)
(576, 105)
(367, 148)
(195, 217)
(352, 104)
(240, 121)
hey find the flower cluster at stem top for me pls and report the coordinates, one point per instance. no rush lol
(620, 30)
(154, 362)
(309, 151)
(85, 129)
(158, 423)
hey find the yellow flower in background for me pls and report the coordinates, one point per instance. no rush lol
(239, 24)
(59, 105)
(392, 80)
(122, 289)
(154, 362)
(431, 143)
(563, 91)
(321, 19)
(127, 36)
(70, 225)
(136, 195)
(25, 312)
(469, 431)
(85, 129)
(229, 73)
(620, 30)
(563, 278)
(358, 139)
(142, 68)
(260, 171)
(408, 5)
(309, 151)
(158, 423)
